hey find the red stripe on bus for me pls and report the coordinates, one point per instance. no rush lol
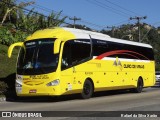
(106, 54)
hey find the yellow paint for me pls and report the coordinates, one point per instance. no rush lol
(59, 33)
(105, 74)
(20, 44)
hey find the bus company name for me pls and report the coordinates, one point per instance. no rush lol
(133, 66)
(39, 76)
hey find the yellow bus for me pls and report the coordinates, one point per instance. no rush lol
(62, 61)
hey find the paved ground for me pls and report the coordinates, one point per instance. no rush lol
(148, 100)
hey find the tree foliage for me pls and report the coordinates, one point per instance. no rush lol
(16, 23)
(7, 11)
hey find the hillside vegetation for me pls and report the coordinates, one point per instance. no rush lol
(7, 70)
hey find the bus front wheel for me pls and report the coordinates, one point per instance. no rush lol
(87, 90)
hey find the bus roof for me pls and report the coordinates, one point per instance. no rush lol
(71, 33)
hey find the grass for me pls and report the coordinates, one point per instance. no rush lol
(7, 69)
(7, 65)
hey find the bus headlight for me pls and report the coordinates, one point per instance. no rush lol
(18, 85)
(54, 83)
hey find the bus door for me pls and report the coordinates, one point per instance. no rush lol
(67, 69)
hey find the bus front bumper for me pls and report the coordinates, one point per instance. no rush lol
(38, 91)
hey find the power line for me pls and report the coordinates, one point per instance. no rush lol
(106, 7)
(113, 28)
(120, 7)
(49, 10)
(32, 11)
(121, 12)
(38, 6)
(92, 24)
(115, 24)
(46, 9)
(82, 21)
(102, 5)
(150, 29)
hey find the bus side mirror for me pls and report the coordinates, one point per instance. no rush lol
(57, 46)
(10, 49)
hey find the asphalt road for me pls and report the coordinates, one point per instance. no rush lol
(148, 100)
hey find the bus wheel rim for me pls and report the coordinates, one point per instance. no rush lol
(87, 89)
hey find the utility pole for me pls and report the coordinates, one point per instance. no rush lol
(138, 22)
(75, 19)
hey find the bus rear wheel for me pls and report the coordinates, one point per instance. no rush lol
(87, 90)
(139, 87)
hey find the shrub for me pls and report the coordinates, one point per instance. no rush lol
(3, 87)
(10, 35)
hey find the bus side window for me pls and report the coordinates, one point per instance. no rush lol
(80, 51)
(75, 52)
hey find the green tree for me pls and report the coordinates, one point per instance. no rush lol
(7, 12)
(24, 24)
(55, 20)
(10, 9)
(34, 21)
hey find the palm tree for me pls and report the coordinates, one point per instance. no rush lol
(9, 9)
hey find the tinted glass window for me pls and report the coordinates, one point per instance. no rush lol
(99, 47)
(37, 57)
(75, 52)
(80, 50)
(121, 50)
(45, 56)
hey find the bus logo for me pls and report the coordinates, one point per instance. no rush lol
(117, 63)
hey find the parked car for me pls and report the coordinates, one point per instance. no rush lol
(157, 78)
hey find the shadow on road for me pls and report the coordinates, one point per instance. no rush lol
(11, 97)
(14, 98)
(9, 88)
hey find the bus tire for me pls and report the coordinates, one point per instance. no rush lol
(88, 90)
(139, 87)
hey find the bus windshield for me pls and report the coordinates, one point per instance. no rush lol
(37, 57)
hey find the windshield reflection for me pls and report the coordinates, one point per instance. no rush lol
(37, 57)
